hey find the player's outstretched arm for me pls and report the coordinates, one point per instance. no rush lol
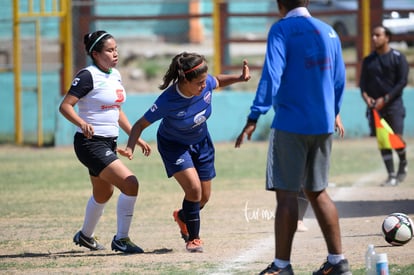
(126, 126)
(228, 79)
(134, 138)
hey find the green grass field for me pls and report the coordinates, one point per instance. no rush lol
(44, 193)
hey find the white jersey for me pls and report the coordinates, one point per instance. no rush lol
(100, 98)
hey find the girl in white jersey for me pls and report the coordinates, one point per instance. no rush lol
(183, 139)
(99, 94)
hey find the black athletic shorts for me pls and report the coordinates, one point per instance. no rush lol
(95, 153)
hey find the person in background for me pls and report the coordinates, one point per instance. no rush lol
(183, 139)
(384, 74)
(303, 78)
(303, 205)
(99, 94)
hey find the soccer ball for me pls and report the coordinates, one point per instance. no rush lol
(397, 229)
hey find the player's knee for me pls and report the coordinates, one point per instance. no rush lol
(193, 195)
(131, 186)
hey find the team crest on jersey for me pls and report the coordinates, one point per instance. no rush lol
(207, 98)
(75, 81)
(154, 107)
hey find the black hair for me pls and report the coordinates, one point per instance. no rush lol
(292, 4)
(95, 41)
(184, 66)
(387, 31)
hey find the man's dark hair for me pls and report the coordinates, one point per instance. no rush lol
(387, 32)
(292, 4)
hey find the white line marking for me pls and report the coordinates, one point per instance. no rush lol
(248, 256)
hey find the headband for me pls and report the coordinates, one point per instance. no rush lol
(96, 41)
(194, 68)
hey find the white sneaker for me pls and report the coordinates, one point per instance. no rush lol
(301, 227)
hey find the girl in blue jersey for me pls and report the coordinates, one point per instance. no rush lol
(183, 139)
(99, 94)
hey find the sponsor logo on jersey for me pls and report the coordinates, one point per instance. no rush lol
(113, 106)
(120, 95)
(199, 118)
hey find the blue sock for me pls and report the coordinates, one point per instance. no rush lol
(191, 212)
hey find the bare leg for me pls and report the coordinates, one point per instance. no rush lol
(327, 216)
(205, 192)
(285, 223)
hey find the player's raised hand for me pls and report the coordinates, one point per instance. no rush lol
(246, 71)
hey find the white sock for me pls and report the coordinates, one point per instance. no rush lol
(93, 213)
(281, 263)
(335, 258)
(124, 211)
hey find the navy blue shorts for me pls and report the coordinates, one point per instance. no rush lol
(95, 153)
(178, 157)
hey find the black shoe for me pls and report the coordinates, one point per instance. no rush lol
(391, 181)
(402, 171)
(87, 242)
(125, 245)
(341, 268)
(272, 269)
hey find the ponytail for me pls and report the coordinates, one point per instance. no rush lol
(184, 66)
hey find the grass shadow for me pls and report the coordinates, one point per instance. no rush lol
(78, 253)
(355, 209)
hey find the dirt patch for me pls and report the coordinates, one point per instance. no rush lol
(238, 232)
(237, 224)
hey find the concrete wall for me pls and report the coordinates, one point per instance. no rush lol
(230, 110)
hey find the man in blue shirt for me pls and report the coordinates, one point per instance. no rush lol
(303, 78)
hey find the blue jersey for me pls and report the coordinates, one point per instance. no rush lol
(303, 76)
(183, 118)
